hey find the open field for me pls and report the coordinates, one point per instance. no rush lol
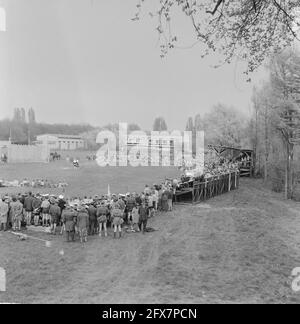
(89, 179)
(237, 248)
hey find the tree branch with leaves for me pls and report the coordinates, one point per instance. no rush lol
(251, 30)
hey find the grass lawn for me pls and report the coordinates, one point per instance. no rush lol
(237, 248)
(89, 179)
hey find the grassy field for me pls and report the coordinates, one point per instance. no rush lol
(89, 179)
(237, 248)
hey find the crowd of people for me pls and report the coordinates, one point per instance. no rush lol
(34, 183)
(210, 170)
(213, 169)
(81, 217)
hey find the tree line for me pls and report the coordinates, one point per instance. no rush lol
(23, 128)
(222, 125)
(275, 124)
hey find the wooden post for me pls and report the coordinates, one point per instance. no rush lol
(193, 193)
(235, 176)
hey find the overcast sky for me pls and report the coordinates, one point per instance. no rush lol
(78, 61)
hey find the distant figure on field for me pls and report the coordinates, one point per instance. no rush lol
(76, 164)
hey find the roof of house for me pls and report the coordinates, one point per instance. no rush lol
(62, 136)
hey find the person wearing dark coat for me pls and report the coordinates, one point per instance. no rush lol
(55, 213)
(170, 199)
(143, 217)
(69, 219)
(92, 210)
(164, 201)
(28, 208)
(62, 205)
(102, 213)
(36, 205)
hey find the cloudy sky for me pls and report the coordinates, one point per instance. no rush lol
(86, 61)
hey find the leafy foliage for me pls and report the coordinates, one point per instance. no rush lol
(223, 126)
(248, 29)
(277, 116)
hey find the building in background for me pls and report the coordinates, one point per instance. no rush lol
(61, 142)
(14, 153)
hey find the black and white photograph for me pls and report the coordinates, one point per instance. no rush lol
(149, 154)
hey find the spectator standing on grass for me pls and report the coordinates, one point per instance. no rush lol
(114, 202)
(155, 198)
(3, 214)
(130, 204)
(62, 205)
(143, 217)
(45, 210)
(160, 193)
(164, 201)
(135, 219)
(36, 205)
(55, 213)
(92, 210)
(122, 204)
(16, 210)
(28, 208)
(69, 219)
(117, 221)
(82, 223)
(170, 199)
(150, 205)
(102, 212)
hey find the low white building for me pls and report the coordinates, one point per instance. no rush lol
(61, 142)
(4, 144)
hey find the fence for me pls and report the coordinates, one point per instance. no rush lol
(198, 191)
(28, 153)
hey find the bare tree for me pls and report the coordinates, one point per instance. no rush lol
(160, 124)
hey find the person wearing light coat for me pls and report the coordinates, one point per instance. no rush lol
(83, 223)
(3, 214)
(16, 211)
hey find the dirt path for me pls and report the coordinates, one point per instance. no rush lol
(240, 247)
